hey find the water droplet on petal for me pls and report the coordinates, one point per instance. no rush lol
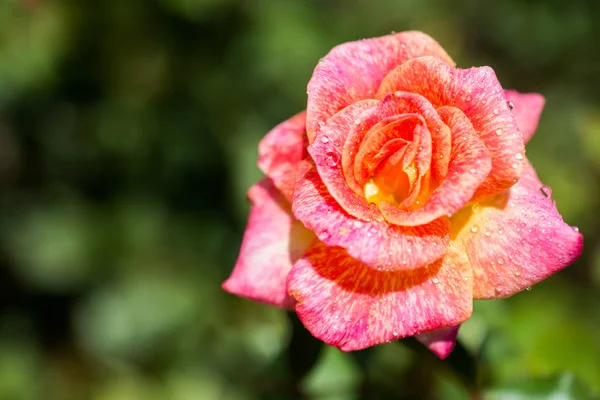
(476, 208)
(500, 261)
(496, 112)
(435, 280)
(472, 170)
(357, 122)
(332, 159)
(510, 104)
(487, 233)
(500, 231)
(515, 165)
(324, 139)
(321, 123)
(519, 156)
(475, 228)
(528, 288)
(499, 289)
(498, 131)
(576, 229)
(546, 191)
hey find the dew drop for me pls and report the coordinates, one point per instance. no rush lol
(332, 159)
(475, 228)
(472, 170)
(510, 104)
(498, 131)
(500, 261)
(321, 123)
(499, 289)
(528, 288)
(576, 229)
(517, 274)
(435, 280)
(546, 191)
(515, 165)
(357, 122)
(500, 231)
(496, 112)
(409, 250)
(395, 333)
(519, 156)
(324, 139)
(487, 234)
(476, 208)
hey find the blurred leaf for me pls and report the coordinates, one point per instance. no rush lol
(562, 387)
(303, 350)
(52, 243)
(129, 319)
(334, 377)
(32, 41)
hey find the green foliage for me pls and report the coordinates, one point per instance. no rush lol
(128, 133)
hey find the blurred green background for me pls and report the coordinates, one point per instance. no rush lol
(128, 134)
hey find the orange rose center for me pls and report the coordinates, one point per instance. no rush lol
(393, 174)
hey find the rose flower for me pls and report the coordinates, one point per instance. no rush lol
(398, 197)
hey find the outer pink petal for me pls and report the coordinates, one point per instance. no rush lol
(353, 71)
(273, 241)
(441, 341)
(478, 94)
(378, 244)
(516, 239)
(469, 166)
(527, 109)
(280, 151)
(348, 305)
(326, 152)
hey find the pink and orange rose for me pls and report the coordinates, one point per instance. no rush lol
(401, 194)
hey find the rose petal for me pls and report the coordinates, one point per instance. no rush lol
(348, 305)
(273, 241)
(515, 239)
(281, 150)
(378, 244)
(478, 94)
(469, 166)
(326, 151)
(441, 341)
(353, 71)
(527, 109)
